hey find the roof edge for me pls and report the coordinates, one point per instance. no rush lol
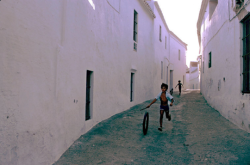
(200, 19)
(148, 8)
(161, 14)
(172, 33)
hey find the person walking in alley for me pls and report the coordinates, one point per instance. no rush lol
(164, 96)
(179, 84)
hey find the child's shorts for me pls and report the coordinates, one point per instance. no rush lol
(164, 108)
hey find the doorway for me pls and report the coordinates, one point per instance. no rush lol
(171, 79)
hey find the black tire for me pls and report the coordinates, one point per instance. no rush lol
(145, 123)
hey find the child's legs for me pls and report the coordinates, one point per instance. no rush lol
(165, 109)
(161, 116)
(167, 113)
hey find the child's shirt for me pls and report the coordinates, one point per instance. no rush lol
(168, 96)
(179, 84)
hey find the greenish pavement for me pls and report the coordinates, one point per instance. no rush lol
(197, 134)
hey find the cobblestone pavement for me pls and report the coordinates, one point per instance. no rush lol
(197, 134)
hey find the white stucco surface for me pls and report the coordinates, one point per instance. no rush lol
(194, 80)
(179, 65)
(46, 49)
(222, 84)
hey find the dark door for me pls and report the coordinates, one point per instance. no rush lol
(88, 92)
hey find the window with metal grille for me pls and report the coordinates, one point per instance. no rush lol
(246, 55)
(135, 30)
(210, 60)
(160, 33)
(132, 87)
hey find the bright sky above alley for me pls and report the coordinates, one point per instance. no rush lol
(181, 17)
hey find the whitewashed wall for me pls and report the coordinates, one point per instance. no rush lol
(179, 66)
(194, 82)
(161, 51)
(221, 84)
(46, 48)
(168, 54)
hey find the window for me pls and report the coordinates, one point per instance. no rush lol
(212, 6)
(167, 76)
(179, 55)
(246, 55)
(89, 91)
(160, 33)
(161, 69)
(165, 42)
(132, 87)
(203, 66)
(210, 60)
(135, 33)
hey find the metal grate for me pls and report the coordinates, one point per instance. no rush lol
(135, 26)
(132, 87)
(210, 60)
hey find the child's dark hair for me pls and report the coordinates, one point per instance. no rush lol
(164, 85)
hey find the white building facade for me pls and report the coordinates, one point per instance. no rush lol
(194, 77)
(170, 53)
(68, 65)
(223, 28)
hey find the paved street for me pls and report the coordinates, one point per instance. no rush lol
(197, 134)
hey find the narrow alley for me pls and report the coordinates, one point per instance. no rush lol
(197, 134)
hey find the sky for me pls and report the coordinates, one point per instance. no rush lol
(181, 17)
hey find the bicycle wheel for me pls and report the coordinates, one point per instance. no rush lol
(145, 123)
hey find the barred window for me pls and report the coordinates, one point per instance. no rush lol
(135, 30)
(160, 33)
(246, 55)
(210, 60)
(135, 26)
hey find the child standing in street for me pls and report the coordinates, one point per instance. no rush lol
(164, 96)
(179, 84)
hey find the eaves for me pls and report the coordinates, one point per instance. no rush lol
(148, 8)
(200, 18)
